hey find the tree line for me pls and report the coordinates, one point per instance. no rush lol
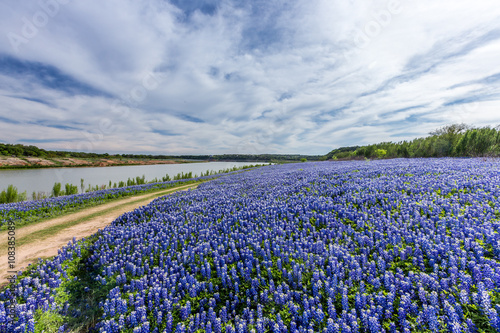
(234, 157)
(457, 140)
(19, 150)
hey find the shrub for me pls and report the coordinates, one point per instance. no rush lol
(11, 193)
(56, 190)
(71, 189)
(22, 196)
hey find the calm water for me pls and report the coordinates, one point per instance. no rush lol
(30, 180)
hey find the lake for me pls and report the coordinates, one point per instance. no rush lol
(43, 180)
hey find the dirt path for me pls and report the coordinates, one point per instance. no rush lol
(42, 240)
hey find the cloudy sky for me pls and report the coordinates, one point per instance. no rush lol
(210, 76)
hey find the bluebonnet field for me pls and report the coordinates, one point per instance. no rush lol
(394, 246)
(28, 211)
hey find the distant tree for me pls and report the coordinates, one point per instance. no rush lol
(402, 149)
(369, 151)
(451, 140)
(451, 130)
(380, 153)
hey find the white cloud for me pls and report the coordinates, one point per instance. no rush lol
(272, 77)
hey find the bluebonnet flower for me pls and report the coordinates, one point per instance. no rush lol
(217, 326)
(432, 318)
(180, 328)
(373, 325)
(345, 300)
(319, 315)
(223, 314)
(331, 309)
(494, 319)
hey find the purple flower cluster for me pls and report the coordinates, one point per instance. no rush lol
(384, 246)
(40, 208)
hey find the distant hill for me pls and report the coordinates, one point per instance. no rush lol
(20, 150)
(457, 140)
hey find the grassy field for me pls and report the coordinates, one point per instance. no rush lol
(404, 245)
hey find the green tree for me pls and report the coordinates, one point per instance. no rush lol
(380, 153)
(441, 147)
(402, 150)
(485, 139)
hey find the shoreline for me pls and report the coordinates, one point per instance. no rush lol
(5, 164)
(129, 162)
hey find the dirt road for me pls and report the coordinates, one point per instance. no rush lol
(42, 240)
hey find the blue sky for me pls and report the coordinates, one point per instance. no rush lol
(210, 76)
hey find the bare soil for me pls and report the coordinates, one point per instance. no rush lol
(34, 162)
(72, 161)
(38, 161)
(13, 161)
(34, 243)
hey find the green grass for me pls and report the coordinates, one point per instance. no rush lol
(80, 291)
(47, 232)
(48, 321)
(52, 213)
(44, 213)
